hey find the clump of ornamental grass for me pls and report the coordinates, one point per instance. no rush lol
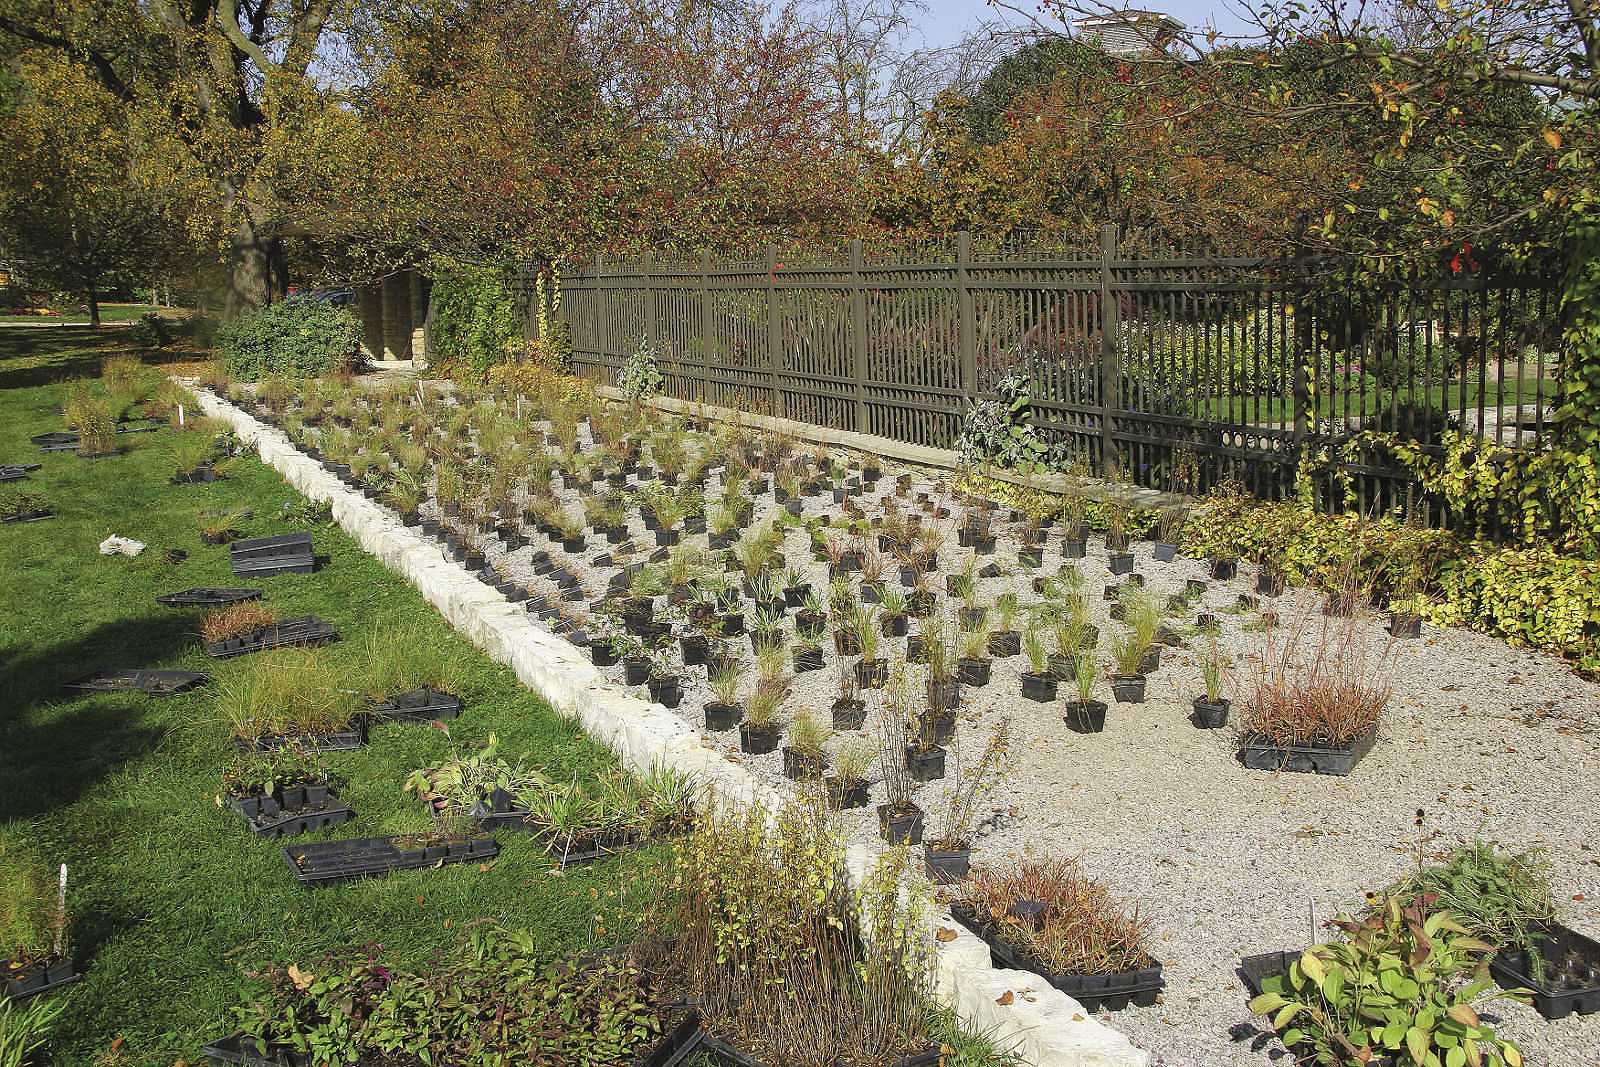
(286, 692)
(401, 657)
(1324, 682)
(235, 620)
(1082, 929)
(768, 942)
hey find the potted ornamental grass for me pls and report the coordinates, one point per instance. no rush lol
(1086, 715)
(947, 851)
(804, 757)
(847, 787)
(411, 672)
(1128, 651)
(1039, 682)
(1046, 915)
(1315, 698)
(33, 926)
(1211, 708)
(291, 696)
(762, 728)
(724, 712)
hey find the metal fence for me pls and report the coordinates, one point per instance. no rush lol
(1126, 356)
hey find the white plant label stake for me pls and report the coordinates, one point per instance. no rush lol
(61, 911)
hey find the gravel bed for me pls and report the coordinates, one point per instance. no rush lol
(1223, 861)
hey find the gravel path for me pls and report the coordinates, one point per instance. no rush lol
(1227, 862)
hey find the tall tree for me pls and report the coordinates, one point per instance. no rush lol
(230, 82)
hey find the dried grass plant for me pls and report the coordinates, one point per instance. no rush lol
(1321, 681)
(1084, 931)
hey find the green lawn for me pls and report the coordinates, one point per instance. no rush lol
(1369, 401)
(172, 899)
(108, 313)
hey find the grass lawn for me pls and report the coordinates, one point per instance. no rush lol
(172, 899)
(108, 313)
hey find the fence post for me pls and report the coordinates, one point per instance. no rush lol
(967, 307)
(1110, 373)
(858, 336)
(602, 318)
(707, 313)
(774, 332)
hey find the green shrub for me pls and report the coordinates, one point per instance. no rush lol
(300, 338)
(1527, 596)
(474, 318)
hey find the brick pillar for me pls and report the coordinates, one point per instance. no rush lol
(396, 317)
(419, 315)
(369, 302)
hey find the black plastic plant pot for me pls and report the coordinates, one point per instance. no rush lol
(973, 672)
(32, 979)
(720, 717)
(602, 655)
(802, 766)
(635, 671)
(326, 862)
(417, 705)
(572, 545)
(1040, 687)
(972, 618)
(695, 648)
(1005, 643)
(946, 867)
(900, 827)
(1164, 552)
(1120, 562)
(894, 625)
(1096, 992)
(1205, 620)
(1128, 688)
(1261, 755)
(807, 659)
(1209, 715)
(758, 740)
(1564, 979)
(842, 794)
(849, 714)
(1074, 548)
(944, 694)
(1086, 717)
(668, 538)
(1224, 569)
(151, 683)
(665, 691)
(872, 674)
(1405, 625)
(1152, 661)
(1269, 583)
(916, 650)
(268, 818)
(27, 516)
(925, 765)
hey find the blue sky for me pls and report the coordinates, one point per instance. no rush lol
(948, 20)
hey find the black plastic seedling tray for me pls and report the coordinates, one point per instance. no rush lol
(208, 598)
(119, 680)
(305, 631)
(327, 862)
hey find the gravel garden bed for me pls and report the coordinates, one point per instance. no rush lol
(1477, 739)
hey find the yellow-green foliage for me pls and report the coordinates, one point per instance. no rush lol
(1538, 596)
(1535, 597)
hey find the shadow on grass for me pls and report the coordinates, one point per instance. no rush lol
(34, 355)
(56, 747)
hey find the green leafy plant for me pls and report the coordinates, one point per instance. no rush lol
(286, 692)
(640, 377)
(263, 772)
(1403, 984)
(25, 1028)
(301, 338)
(474, 315)
(31, 923)
(1497, 896)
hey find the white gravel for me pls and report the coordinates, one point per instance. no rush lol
(1227, 862)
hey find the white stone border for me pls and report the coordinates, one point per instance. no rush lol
(1046, 1027)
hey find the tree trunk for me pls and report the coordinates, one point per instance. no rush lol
(92, 298)
(256, 266)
